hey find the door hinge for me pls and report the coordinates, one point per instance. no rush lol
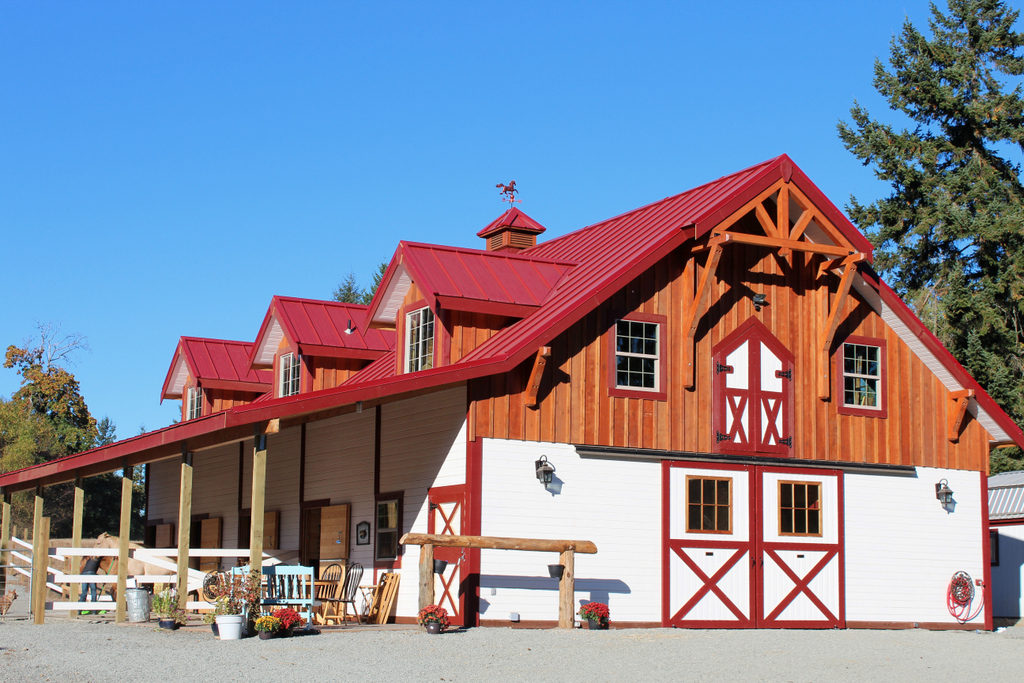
(788, 441)
(788, 374)
(719, 368)
(720, 437)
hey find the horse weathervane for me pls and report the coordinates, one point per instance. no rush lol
(509, 192)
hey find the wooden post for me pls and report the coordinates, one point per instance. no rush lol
(5, 540)
(426, 575)
(184, 526)
(40, 565)
(256, 511)
(74, 563)
(37, 530)
(567, 589)
(122, 548)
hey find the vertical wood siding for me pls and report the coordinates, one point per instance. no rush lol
(330, 372)
(575, 405)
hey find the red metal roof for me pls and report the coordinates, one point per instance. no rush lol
(216, 364)
(513, 218)
(320, 328)
(608, 255)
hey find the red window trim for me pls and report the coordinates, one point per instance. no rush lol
(661, 394)
(837, 370)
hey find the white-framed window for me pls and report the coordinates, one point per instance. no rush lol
(194, 403)
(290, 373)
(419, 340)
(862, 376)
(637, 355)
(388, 523)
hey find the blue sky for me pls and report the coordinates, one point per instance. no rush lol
(166, 168)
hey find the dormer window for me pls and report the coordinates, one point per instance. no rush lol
(419, 340)
(290, 364)
(194, 403)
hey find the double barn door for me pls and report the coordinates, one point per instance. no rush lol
(752, 547)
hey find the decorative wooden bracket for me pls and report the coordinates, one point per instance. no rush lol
(533, 385)
(957, 410)
(692, 317)
(829, 331)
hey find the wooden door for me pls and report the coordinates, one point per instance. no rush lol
(749, 546)
(709, 546)
(753, 389)
(800, 550)
(446, 505)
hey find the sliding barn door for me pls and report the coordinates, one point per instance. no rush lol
(709, 546)
(751, 546)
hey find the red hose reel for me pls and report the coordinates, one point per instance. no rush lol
(960, 596)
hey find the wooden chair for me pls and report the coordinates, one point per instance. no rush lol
(286, 586)
(345, 595)
(327, 591)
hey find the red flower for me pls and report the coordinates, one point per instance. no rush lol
(594, 611)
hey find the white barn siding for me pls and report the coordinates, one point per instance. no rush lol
(282, 492)
(339, 468)
(423, 445)
(215, 489)
(614, 503)
(1008, 575)
(902, 547)
(164, 482)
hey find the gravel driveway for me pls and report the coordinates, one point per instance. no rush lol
(96, 649)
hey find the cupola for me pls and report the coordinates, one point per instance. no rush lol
(511, 231)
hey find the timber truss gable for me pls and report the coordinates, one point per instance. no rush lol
(789, 224)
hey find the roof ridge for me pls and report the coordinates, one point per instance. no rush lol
(330, 302)
(518, 256)
(663, 200)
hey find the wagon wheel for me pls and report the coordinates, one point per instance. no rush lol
(212, 583)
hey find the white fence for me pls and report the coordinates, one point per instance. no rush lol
(157, 560)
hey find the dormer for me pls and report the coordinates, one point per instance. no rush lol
(310, 345)
(210, 375)
(443, 302)
(511, 231)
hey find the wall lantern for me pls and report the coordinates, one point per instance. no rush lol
(760, 300)
(943, 493)
(544, 470)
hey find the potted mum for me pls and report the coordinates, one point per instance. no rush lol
(289, 618)
(233, 597)
(267, 626)
(595, 614)
(433, 618)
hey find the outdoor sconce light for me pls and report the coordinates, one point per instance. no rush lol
(544, 470)
(440, 566)
(943, 493)
(759, 301)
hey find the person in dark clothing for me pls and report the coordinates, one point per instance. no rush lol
(90, 565)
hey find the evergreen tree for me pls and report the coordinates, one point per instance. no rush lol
(351, 293)
(950, 236)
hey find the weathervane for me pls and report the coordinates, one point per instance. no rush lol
(509, 191)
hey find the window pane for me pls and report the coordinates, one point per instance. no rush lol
(786, 521)
(723, 518)
(709, 491)
(694, 490)
(723, 492)
(799, 496)
(693, 520)
(814, 522)
(786, 495)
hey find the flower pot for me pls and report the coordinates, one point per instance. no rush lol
(432, 627)
(169, 624)
(229, 626)
(597, 625)
(555, 571)
(267, 635)
(213, 627)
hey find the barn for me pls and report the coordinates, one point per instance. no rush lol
(1006, 539)
(716, 389)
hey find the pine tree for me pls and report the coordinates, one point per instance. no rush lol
(951, 233)
(348, 291)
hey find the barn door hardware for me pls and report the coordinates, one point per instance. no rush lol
(788, 441)
(720, 437)
(719, 368)
(788, 374)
